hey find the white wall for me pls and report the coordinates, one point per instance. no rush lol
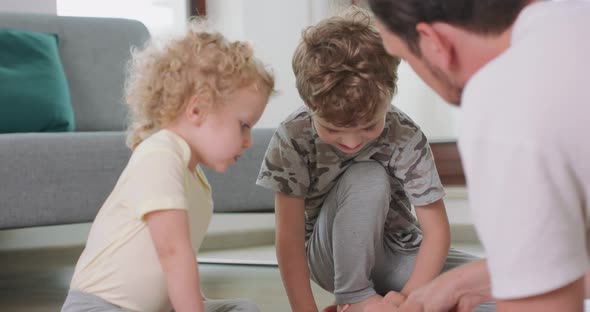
(161, 17)
(29, 6)
(437, 118)
(274, 27)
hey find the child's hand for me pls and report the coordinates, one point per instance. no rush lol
(389, 303)
(334, 308)
(394, 298)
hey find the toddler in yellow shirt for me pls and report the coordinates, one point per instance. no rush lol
(193, 102)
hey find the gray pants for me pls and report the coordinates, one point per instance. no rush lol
(78, 301)
(346, 253)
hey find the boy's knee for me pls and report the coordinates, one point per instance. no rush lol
(368, 175)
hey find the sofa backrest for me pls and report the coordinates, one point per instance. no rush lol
(65, 177)
(94, 52)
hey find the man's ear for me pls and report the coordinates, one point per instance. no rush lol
(436, 44)
(194, 112)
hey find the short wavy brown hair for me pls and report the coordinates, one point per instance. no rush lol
(164, 76)
(343, 73)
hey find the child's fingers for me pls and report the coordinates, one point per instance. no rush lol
(394, 298)
(345, 307)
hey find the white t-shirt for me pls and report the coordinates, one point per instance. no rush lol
(119, 262)
(525, 144)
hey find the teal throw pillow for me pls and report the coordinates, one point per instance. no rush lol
(34, 94)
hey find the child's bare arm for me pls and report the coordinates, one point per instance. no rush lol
(290, 244)
(170, 233)
(435, 245)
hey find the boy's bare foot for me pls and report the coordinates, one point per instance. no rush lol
(361, 305)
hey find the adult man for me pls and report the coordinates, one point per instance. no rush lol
(518, 69)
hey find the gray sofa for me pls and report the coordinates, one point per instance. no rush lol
(63, 178)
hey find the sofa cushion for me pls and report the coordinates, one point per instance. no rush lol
(62, 178)
(34, 95)
(94, 52)
(57, 178)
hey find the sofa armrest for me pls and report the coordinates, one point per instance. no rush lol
(57, 178)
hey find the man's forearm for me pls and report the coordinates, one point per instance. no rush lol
(472, 280)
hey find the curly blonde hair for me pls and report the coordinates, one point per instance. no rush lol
(343, 73)
(163, 77)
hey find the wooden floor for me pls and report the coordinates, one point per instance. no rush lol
(37, 281)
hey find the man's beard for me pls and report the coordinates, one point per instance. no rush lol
(452, 89)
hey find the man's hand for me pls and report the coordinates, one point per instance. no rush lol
(434, 297)
(425, 299)
(459, 290)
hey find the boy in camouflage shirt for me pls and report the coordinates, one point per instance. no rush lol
(346, 169)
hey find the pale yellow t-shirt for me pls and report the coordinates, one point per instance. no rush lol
(119, 262)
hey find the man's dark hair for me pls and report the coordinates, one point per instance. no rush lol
(485, 17)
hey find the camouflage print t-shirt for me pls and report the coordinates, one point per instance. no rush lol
(299, 163)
